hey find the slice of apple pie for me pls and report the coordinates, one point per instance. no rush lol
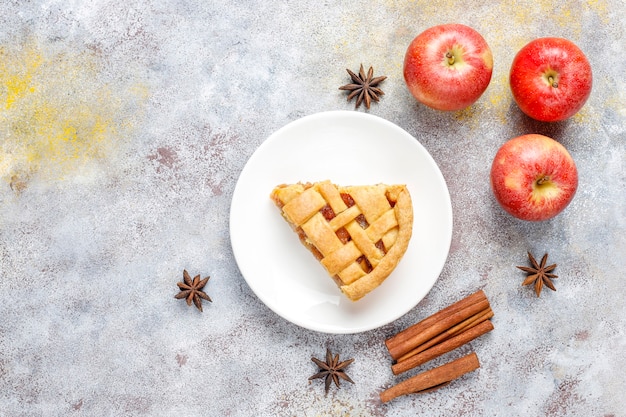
(358, 233)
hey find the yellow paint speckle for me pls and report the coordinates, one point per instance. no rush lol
(56, 111)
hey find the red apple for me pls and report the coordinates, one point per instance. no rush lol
(448, 67)
(550, 79)
(533, 177)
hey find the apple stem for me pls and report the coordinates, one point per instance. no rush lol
(552, 82)
(543, 180)
(450, 57)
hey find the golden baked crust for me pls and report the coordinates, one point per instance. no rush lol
(358, 233)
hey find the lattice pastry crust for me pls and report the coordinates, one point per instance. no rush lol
(358, 233)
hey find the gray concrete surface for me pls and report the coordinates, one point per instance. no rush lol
(124, 126)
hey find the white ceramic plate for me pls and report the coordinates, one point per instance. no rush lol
(348, 148)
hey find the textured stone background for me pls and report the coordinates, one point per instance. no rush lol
(123, 128)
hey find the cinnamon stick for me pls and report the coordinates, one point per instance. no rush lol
(449, 345)
(432, 379)
(445, 322)
(418, 328)
(476, 319)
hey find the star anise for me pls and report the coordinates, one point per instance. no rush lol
(539, 274)
(191, 290)
(364, 87)
(332, 370)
